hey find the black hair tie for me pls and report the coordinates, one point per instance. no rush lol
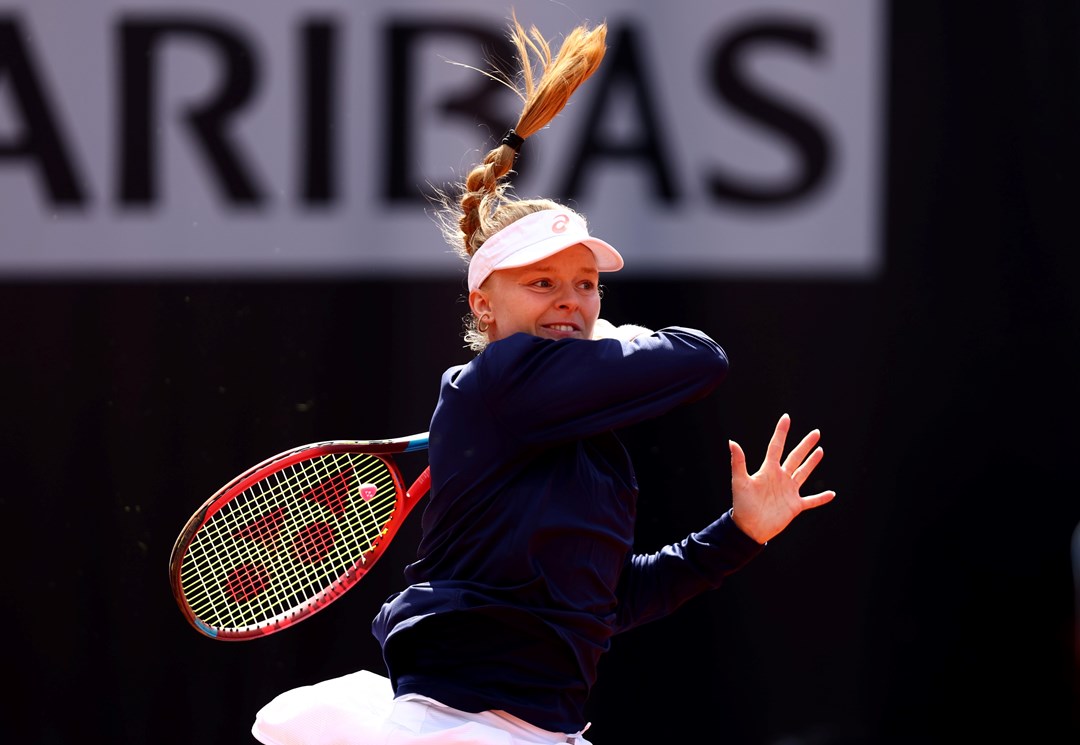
(513, 139)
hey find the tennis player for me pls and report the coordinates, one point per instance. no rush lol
(526, 567)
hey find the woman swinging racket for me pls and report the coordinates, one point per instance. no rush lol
(526, 568)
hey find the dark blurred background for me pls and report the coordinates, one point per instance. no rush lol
(933, 601)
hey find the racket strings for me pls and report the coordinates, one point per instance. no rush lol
(288, 539)
(292, 578)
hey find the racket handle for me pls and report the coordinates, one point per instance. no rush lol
(420, 486)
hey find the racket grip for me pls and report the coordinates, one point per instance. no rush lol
(420, 486)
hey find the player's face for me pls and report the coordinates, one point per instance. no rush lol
(555, 298)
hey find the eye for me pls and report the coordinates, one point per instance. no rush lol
(587, 285)
(543, 283)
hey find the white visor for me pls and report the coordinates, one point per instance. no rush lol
(534, 237)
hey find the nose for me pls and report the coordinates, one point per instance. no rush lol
(566, 299)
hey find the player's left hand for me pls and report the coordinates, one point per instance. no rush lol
(767, 501)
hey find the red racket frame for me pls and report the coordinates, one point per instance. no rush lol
(405, 500)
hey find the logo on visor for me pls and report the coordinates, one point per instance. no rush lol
(561, 223)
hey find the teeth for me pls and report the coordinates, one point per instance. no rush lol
(562, 327)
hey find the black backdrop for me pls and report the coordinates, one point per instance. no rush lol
(932, 602)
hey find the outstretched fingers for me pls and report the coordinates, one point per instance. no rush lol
(801, 461)
(799, 453)
(800, 468)
(765, 502)
(776, 443)
(738, 461)
(816, 500)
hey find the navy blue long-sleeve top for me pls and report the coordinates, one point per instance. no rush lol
(526, 567)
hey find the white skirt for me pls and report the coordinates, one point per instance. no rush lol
(360, 709)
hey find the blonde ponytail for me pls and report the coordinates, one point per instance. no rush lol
(547, 81)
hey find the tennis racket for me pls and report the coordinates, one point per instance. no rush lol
(290, 535)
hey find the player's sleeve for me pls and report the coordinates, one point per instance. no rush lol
(651, 586)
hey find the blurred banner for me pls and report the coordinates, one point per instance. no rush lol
(259, 138)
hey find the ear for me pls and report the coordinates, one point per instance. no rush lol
(479, 303)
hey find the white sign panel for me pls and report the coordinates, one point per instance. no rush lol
(154, 139)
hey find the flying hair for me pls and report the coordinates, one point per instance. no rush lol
(546, 82)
